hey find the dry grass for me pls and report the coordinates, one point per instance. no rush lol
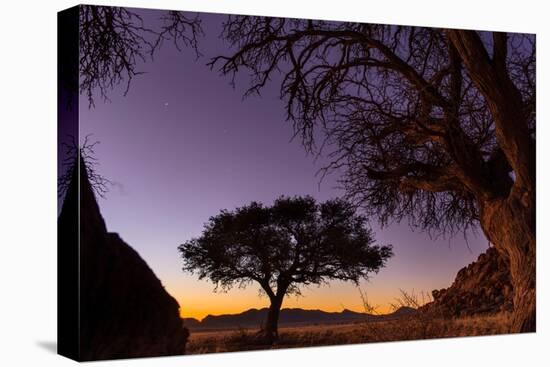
(417, 326)
(409, 328)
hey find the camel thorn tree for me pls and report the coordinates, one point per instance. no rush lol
(293, 243)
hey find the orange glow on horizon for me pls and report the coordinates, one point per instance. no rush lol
(202, 313)
(227, 303)
(198, 298)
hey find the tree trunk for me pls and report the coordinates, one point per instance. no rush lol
(271, 326)
(510, 225)
(508, 222)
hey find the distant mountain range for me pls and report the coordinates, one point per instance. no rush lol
(253, 318)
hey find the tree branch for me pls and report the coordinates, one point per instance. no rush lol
(504, 102)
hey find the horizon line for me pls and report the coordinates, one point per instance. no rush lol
(292, 308)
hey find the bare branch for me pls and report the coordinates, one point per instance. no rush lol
(399, 110)
(114, 40)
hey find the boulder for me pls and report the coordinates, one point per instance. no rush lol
(482, 287)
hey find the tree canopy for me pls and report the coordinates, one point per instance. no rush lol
(294, 242)
(406, 112)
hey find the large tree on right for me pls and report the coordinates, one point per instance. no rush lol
(433, 125)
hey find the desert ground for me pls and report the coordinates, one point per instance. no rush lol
(414, 327)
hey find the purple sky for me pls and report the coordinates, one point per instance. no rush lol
(183, 144)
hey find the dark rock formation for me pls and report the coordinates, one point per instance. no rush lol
(482, 287)
(125, 311)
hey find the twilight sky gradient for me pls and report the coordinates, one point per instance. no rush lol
(183, 144)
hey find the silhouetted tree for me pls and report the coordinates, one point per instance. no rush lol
(114, 39)
(296, 242)
(433, 125)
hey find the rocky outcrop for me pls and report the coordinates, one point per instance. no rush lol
(482, 287)
(125, 311)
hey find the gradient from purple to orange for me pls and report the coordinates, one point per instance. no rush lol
(183, 144)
